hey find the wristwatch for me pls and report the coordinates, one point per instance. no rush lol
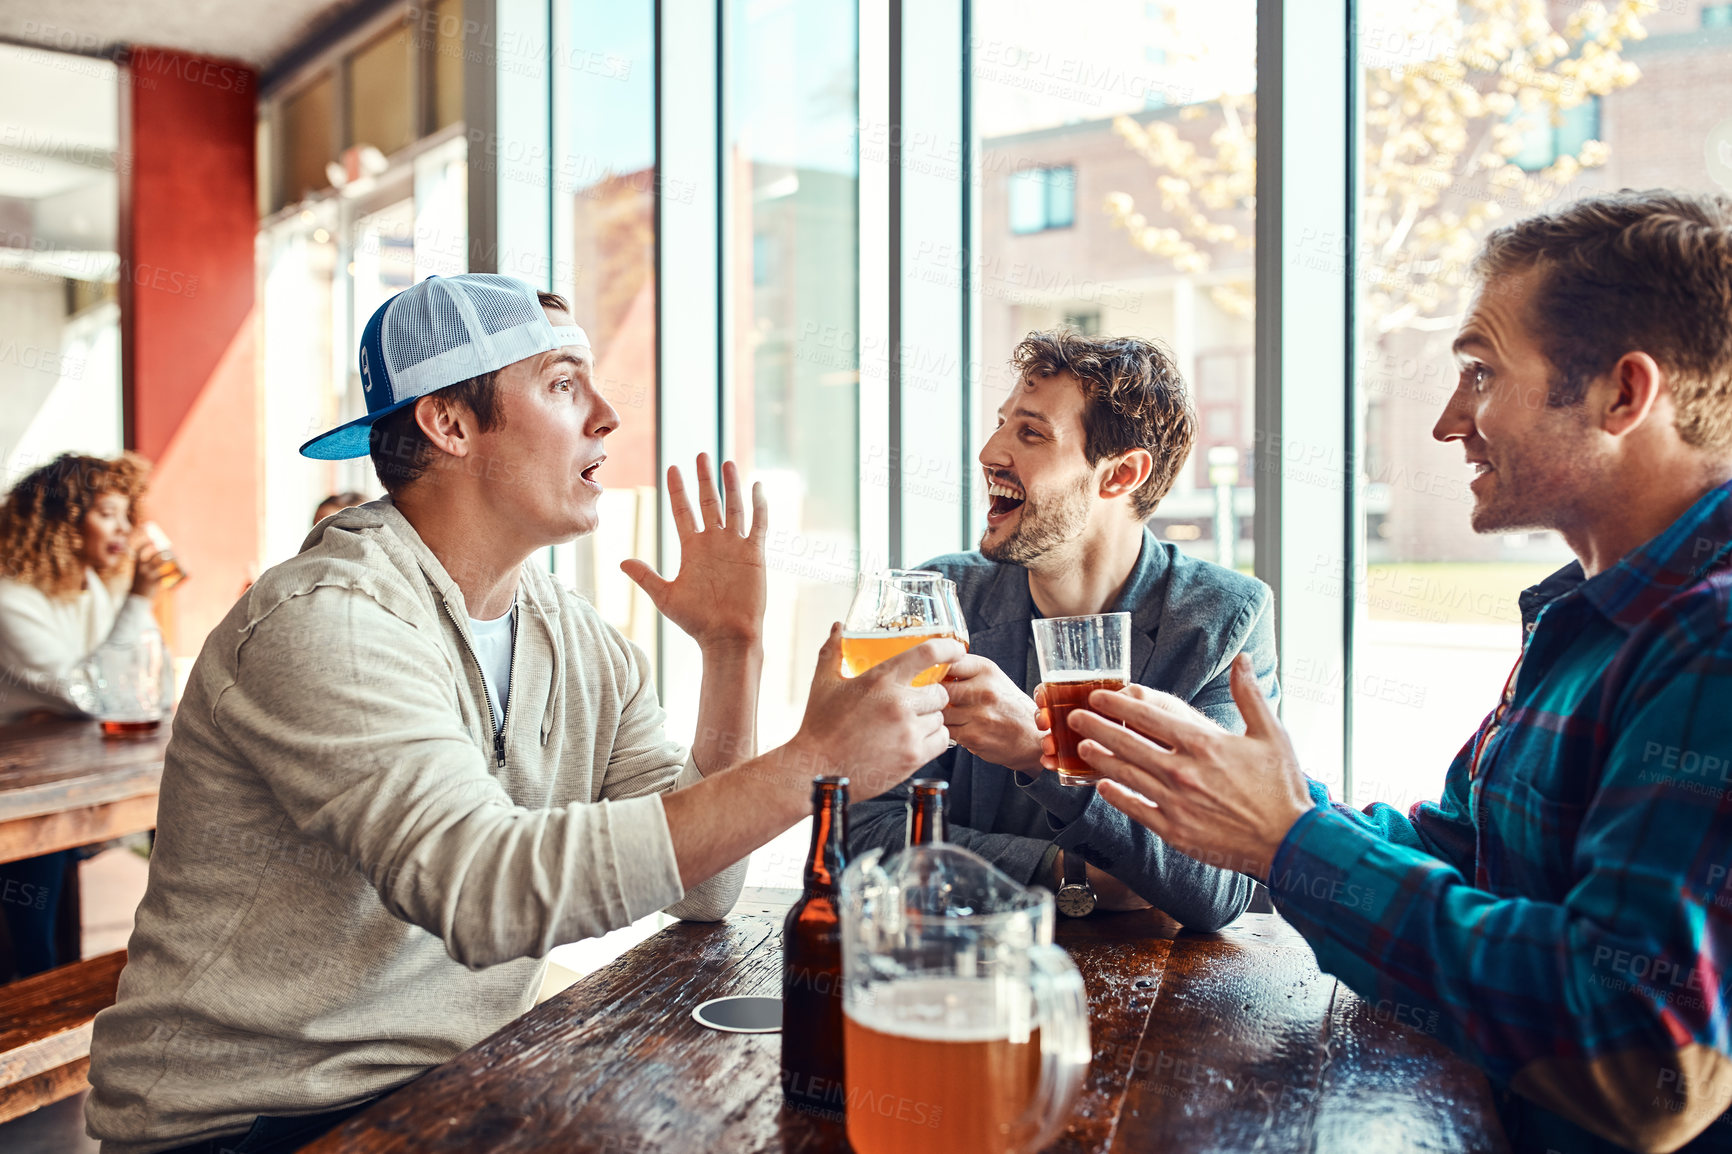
(1076, 898)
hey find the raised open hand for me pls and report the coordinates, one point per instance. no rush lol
(1214, 795)
(717, 596)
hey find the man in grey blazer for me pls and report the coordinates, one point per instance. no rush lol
(1088, 442)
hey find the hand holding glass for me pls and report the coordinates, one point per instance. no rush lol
(893, 611)
(1079, 655)
(173, 572)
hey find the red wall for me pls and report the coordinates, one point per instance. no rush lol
(188, 218)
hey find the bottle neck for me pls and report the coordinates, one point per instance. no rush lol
(926, 824)
(824, 861)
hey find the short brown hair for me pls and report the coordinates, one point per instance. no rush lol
(1630, 271)
(401, 452)
(1133, 398)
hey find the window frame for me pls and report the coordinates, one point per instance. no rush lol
(915, 80)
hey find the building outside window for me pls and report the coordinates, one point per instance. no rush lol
(1042, 198)
(1075, 228)
(604, 188)
(1437, 622)
(793, 380)
(1545, 136)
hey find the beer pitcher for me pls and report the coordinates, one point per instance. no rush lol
(965, 1029)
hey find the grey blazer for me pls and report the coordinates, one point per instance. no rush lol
(1190, 618)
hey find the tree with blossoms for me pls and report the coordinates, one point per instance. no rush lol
(1449, 100)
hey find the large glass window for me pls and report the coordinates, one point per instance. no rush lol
(326, 264)
(303, 367)
(1474, 116)
(59, 269)
(447, 46)
(604, 180)
(793, 374)
(309, 139)
(1117, 173)
(336, 244)
(381, 96)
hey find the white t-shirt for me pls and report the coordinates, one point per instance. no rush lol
(493, 650)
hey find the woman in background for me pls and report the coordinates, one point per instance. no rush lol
(73, 576)
(336, 503)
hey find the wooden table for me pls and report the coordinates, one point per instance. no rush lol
(1225, 1042)
(63, 784)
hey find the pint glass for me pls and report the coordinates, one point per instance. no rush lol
(131, 685)
(173, 572)
(1079, 655)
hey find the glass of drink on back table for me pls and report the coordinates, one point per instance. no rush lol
(893, 611)
(1079, 655)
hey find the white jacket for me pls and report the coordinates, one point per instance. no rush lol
(347, 888)
(45, 643)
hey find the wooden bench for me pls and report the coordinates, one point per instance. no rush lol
(45, 1031)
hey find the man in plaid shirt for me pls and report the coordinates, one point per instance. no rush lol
(1564, 914)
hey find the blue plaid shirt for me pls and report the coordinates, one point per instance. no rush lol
(1563, 916)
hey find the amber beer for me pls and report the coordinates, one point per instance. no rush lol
(861, 651)
(812, 962)
(927, 824)
(1062, 697)
(173, 573)
(130, 728)
(953, 1086)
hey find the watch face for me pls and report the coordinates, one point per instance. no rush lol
(1075, 901)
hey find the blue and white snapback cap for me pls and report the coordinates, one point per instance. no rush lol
(443, 331)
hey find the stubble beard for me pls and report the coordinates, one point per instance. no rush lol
(1042, 526)
(1509, 517)
(1531, 493)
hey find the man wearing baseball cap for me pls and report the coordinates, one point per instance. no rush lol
(408, 763)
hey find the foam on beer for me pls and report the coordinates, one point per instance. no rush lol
(1072, 676)
(940, 1009)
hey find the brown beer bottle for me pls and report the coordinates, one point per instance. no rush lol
(812, 963)
(926, 821)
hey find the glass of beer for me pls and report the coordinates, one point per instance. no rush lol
(964, 1028)
(1079, 655)
(173, 572)
(894, 611)
(131, 683)
(953, 603)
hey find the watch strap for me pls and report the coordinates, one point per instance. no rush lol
(1076, 869)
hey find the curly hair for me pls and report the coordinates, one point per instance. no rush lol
(1134, 399)
(42, 518)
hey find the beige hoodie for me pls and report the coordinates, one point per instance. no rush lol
(347, 888)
